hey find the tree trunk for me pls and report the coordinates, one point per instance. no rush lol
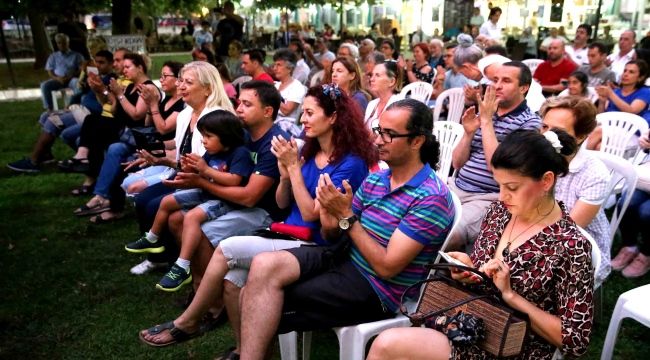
(42, 44)
(121, 17)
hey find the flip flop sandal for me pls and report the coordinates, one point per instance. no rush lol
(98, 208)
(178, 335)
(98, 219)
(230, 354)
(74, 165)
(211, 322)
(83, 190)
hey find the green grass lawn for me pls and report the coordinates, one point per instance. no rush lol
(67, 292)
(27, 77)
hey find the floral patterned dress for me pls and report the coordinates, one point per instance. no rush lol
(551, 270)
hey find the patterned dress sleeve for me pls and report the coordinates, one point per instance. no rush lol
(575, 294)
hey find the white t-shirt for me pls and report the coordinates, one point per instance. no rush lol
(295, 92)
(491, 30)
(577, 56)
(371, 117)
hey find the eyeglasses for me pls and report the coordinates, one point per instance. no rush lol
(387, 136)
(165, 76)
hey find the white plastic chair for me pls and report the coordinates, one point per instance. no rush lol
(419, 90)
(448, 135)
(623, 177)
(240, 80)
(532, 64)
(65, 93)
(630, 304)
(353, 339)
(619, 132)
(455, 105)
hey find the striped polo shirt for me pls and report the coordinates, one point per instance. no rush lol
(422, 209)
(474, 176)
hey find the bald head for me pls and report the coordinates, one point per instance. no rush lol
(627, 41)
(555, 50)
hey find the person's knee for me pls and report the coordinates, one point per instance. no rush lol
(136, 187)
(168, 203)
(264, 264)
(383, 344)
(193, 217)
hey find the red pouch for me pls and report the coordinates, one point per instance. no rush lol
(299, 232)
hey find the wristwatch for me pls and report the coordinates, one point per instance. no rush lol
(346, 223)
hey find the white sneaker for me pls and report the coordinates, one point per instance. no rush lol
(146, 266)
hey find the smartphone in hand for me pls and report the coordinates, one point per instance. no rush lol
(93, 70)
(450, 259)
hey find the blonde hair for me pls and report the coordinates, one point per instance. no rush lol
(208, 76)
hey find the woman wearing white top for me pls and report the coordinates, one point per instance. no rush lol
(292, 91)
(385, 84)
(584, 188)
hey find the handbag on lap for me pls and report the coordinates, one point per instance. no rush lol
(505, 329)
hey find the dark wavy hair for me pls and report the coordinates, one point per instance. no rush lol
(531, 155)
(349, 134)
(174, 66)
(137, 60)
(225, 125)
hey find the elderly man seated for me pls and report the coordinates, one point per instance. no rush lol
(63, 67)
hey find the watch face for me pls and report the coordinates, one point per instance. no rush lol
(344, 224)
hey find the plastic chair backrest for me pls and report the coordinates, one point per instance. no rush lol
(623, 176)
(532, 64)
(455, 104)
(419, 90)
(448, 135)
(619, 132)
(240, 80)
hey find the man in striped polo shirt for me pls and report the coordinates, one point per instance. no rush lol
(502, 109)
(381, 235)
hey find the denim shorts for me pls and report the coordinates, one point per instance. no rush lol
(191, 198)
(151, 175)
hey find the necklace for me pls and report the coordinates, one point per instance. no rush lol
(506, 249)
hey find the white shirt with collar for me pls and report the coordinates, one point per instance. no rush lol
(619, 62)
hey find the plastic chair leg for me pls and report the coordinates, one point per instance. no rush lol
(288, 346)
(612, 330)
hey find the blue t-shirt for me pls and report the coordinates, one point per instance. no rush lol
(237, 161)
(266, 164)
(643, 94)
(360, 98)
(351, 168)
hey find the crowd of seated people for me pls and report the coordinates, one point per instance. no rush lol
(314, 183)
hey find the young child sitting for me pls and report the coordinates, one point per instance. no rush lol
(226, 162)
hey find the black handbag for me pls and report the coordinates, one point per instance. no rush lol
(505, 328)
(148, 138)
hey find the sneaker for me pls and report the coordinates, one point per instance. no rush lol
(146, 266)
(175, 279)
(624, 257)
(142, 245)
(24, 165)
(638, 267)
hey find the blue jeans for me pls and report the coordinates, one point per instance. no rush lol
(116, 154)
(71, 136)
(637, 220)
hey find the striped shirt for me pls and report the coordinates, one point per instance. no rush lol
(422, 209)
(474, 176)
